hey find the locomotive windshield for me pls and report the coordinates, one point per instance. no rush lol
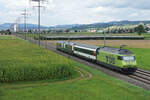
(128, 58)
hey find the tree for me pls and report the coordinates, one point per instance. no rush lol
(140, 29)
(147, 29)
(67, 31)
(30, 31)
(130, 30)
(8, 32)
(75, 31)
(49, 31)
(44, 31)
(119, 30)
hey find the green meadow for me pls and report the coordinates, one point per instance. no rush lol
(17, 54)
(142, 57)
(98, 87)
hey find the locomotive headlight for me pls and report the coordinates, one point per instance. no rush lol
(128, 58)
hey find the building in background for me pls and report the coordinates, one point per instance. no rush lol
(15, 28)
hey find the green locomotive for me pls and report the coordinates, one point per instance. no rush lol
(120, 59)
(115, 58)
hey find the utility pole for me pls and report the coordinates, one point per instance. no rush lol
(25, 21)
(39, 18)
(39, 14)
(104, 39)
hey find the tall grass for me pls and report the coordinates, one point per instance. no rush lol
(22, 61)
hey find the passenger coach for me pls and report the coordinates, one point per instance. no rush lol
(89, 52)
(65, 46)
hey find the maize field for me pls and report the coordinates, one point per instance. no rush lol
(23, 61)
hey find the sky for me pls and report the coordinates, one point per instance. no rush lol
(59, 12)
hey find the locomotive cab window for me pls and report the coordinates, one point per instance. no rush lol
(127, 58)
(120, 58)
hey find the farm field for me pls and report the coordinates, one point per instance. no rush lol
(96, 87)
(141, 48)
(81, 34)
(35, 36)
(147, 36)
(129, 43)
(90, 34)
(22, 61)
(7, 37)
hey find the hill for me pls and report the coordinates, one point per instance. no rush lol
(21, 26)
(108, 24)
(76, 26)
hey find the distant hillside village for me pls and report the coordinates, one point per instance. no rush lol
(127, 29)
(111, 27)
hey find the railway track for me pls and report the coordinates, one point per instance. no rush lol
(140, 77)
(143, 71)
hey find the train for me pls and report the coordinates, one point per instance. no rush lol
(119, 59)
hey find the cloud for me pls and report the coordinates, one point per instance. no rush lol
(77, 11)
(136, 4)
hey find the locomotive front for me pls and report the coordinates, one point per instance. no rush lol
(129, 63)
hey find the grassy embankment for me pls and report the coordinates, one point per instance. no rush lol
(98, 87)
